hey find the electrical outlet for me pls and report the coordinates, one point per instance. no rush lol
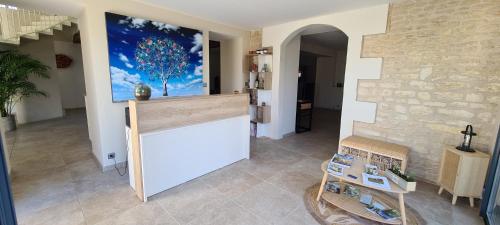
(111, 155)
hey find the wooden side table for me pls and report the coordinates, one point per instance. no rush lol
(463, 173)
(353, 205)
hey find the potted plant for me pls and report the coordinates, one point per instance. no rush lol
(406, 182)
(15, 71)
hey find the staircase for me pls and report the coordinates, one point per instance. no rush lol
(16, 23)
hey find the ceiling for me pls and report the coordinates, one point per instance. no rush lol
(260, 13)
(246, 14)
(333, 39)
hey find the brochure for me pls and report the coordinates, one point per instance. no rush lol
(342, 160)
(376, 181)
(334, 169)
(378, 209)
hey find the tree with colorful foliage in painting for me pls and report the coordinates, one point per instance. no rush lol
(162, 59)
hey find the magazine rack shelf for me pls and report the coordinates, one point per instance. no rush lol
(353, 205)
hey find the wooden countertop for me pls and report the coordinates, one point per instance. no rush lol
(174, 112)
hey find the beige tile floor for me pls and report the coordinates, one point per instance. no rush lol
(56, 181)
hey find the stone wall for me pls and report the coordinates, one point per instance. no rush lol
(256, 39)
(441, 71)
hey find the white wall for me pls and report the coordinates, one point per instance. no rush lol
(318, 49)
(288, 93)
(231, 65)
(71, 79)
(106, 119)
(354, 24)
(324, 91)
(329, 72)
(38, 108)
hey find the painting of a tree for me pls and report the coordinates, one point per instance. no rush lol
(166, 57)
(161, 59)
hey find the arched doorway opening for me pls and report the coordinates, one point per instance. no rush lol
(313, 62)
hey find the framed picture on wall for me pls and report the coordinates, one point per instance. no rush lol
(166, 57)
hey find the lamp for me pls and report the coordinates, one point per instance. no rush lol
(468, 133)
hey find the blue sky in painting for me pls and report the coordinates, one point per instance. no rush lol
(123, 35)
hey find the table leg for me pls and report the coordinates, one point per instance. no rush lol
(402, 208)
(322, 186)
(454, 200)
(440, 190)
(471, 201)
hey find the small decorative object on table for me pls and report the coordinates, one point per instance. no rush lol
(371, 169)
(406, 182)
(468, 134)
(142, 92)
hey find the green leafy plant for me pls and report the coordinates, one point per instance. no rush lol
(15, 71)
(398, 172)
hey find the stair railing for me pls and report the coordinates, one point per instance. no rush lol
(15, 22)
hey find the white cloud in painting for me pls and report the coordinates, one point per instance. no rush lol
(164, 26)
(125, 42)
(189, 77)
(125, 21)
(125, 60)
(185, 85)
(133, 22)
(200, 53)
(198, 71)
(123, 57)
(197, 42)
(123, 78)
(138, 23)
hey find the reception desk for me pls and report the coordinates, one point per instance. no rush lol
(174, 140)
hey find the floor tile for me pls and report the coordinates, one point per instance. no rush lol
(269, 202)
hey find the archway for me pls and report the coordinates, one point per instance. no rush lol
(310, 77)
(355, 26)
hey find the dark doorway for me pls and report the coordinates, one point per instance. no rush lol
(321, 80)
(307, 78)
(214, 58)
(305, 91)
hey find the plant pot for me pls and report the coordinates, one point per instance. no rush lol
(405, 185)
(8, 123)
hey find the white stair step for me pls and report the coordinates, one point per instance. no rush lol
(48, 18)
(45, 23)
(13, 41)
(47, 32)
(67, 23)
(57, 27)
(28, 29)
(33, 36)
(31, 29)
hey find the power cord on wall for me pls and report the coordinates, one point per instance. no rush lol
(126, 160)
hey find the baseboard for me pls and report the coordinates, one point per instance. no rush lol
(120, 165)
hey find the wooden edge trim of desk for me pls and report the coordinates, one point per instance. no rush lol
(136, 151)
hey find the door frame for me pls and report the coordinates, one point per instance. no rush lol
(7, 211)
(492, 183)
